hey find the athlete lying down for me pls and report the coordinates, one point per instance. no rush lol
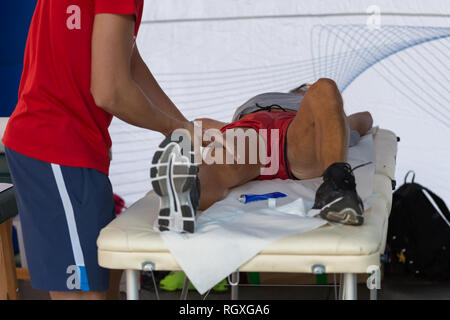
(312, 141)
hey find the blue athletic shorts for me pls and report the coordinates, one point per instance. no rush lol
(62, 210)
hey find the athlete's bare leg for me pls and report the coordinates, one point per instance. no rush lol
(216, 180)
(317, 145)
(318, 135)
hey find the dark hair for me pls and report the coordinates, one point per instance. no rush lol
(300, 89)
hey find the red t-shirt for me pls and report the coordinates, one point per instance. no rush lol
(56, 119)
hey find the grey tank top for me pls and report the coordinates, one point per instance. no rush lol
(286, 100)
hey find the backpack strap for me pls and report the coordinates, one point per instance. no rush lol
(438, 204)
(407, 174)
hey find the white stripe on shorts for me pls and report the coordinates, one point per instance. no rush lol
(68, 209)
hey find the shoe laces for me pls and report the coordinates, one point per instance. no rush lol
(341, 174)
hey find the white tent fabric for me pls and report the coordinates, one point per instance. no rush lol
(210, 56)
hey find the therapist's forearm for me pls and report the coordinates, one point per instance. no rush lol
(145, 80)
(128, 103)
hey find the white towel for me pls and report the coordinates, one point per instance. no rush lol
(230, 233)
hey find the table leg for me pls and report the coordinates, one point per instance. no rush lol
(350, 287)
(184, 292)
(235, 285)
(373, 294)
(132, 284)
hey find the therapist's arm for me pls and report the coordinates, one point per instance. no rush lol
(112, 85)
(144, 78)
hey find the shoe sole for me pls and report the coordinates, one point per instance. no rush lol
(173, 176)
(342, 213)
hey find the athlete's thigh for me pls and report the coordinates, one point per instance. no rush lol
(224, 168)
(236, 158)
(302, 143)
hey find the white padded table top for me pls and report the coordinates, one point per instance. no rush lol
(129, 240)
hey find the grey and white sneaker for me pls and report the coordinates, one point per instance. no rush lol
(174, 178)
(337, 199)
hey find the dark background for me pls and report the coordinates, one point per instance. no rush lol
(14, 23)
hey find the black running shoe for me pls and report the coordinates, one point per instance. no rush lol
(174, 178)
(336, 197)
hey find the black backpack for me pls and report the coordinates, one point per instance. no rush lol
(418, 241)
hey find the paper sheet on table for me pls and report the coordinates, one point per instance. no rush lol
(230, 233)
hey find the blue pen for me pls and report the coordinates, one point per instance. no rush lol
(246, 198)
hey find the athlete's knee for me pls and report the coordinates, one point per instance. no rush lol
(326, 85)
(327, 91)
(326, 82)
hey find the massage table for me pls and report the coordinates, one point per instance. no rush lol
(130, 242)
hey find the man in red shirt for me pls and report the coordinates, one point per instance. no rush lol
(81, 67)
